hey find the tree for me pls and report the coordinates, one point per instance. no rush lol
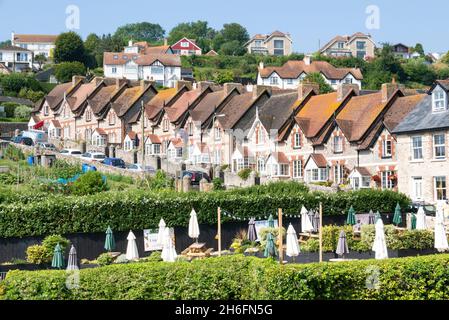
(445, 59)
(232, 48)
(234, 32)
(199, 31)
(5, 43)
(316, 77)
(22, 112)
(66, 70)
(231, 39)
(69, 48)
(224, 76)
(419, 49)
(40, 59)
(92, 43)
(143, 31)
(417, 70)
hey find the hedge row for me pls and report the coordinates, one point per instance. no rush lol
(237, 277)
(139, 210)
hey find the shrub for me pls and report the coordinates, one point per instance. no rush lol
(66, 70)
(22, 112)
(37, 254)
(244, 174)
(89, 183)
(51, 241)
(154, 257)
(104, 259)
(240, 278)
(13, 153)
(218, 184)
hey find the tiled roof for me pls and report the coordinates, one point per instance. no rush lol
(235, 109)
(13, 48)
(121, 58)
(359, 114)
(56, 124)
(293, 69)
(80, 95)
(101, 131)
(177, 109)
(277, 110)
(157, 50)
(344, 39)
(154, 139)
(132, 135)
(127, 99)
(317, 112)
(177, 142)
(401, 107)
(34, 38)
(280, 157)
(102, 98)
(207, 106)
(319, 160)
(155, 105)
(55, 97)
(363, 171)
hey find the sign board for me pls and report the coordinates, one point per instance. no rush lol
(150, 239)
(263, 224)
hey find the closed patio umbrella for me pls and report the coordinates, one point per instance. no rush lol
(397, 219)
(413, 221)
(270, 221)
(270, 248)
(316, 224)
(252, 232)
(109, 244)
(306, 224)
(371, 217)
(132, 253)
(350, 220)
(161, 233)
(311, 215)
(58, 258)
(440, 232)
(72, 264)
(194, 228)
(342, 246)
(421, 223)
(168, 250)
(380, 244)
(378, 217)
(293, 249)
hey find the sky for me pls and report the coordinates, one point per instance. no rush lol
(310, 23)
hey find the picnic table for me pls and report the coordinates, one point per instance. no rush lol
(197, 250)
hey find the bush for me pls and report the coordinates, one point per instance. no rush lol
(240, 278)
(244, 174)
(66, 70)
(51, 241)
(13, 153)
(89, 183)
(161, 181)
(218, 184)
(43, 254)
(22, 112)
(105, 259)
(37, 254)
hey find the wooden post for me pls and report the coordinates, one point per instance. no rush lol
(219, 231)
(281, 249)
(321, 232)
(142, 114)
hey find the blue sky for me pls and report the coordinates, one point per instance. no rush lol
(309, 22)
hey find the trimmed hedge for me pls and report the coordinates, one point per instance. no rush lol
(240, 278)
(139, 209)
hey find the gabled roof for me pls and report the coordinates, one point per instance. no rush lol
(211, 53)
(13, 48)
(128, 98)
(35, 38)
(157, 50)
(318, 159)
(364, 172)
(154, 139)
(192, 42)
(345, 39)
(186, 101)
(56, 96)
(280, 157)
(266, 37)
(80, 96)
(294, 68)
(56, 124)
(121, 58)
(207, 106)
(443, 83)
(100, 131)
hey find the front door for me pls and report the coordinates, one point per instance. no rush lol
(417, 193)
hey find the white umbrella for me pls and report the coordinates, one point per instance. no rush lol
(306, 224)
(440, 231)
(380, 244)
(168, 250)
(194, 228)
(131, 251)
(421, 223)
(161, 233)
(292, 242)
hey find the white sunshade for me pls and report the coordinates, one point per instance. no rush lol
(132, 253)
(168, 251)
(380, 244)
(160, 234)
(440, 232)
(421, 223)
(306, 224)
(292, 242)
(194, 228)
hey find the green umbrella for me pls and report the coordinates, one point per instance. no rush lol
(413, 221)
(270, 248)
(271, 221)
(397, 219)
(109, 244)
(351, 217)
(58, 258)
(378, 216)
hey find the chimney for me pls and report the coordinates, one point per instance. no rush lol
(228, 87)
(75, 79)
(261, 65)
(388, 89)
(119, 82)
(144, 84)
(165, 42)
(13, 35)
(97, 81)
(344, 88)
(180, 83)
(257, 90)
(307, 60)
(305, 88)
(130, 43)
(203, 85)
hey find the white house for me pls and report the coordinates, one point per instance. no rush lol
(186, 47)
(39, 44)
(293, 72)
(317, 169)
(16, 59)
(164, 69)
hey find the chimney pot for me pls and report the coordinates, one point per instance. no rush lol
(307, 60)
(344, 88)
(305, 88)
(228, 87)
(258, 89)
(261, 65)
(181, 83)
(388, 89)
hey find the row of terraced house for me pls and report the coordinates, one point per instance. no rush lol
(393, 138)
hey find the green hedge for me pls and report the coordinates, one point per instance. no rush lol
(139, 209)
(240, 278)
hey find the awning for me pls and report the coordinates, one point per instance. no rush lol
(39, 125)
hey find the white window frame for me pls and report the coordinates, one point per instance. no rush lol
(417, 148)
(297, 169)
(297, 140)
(438, 188)
(386, 183)
(439, 100)
(440, 145)
(338, 144)
(385, 152)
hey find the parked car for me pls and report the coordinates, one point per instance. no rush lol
(36, 135)
(93, 156)
(23, 140)
(71, 152)
(429, 209)
(196, 177)
(46, 146)
(138, 168)
(114, 162)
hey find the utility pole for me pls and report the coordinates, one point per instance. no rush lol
(142, 112)
(281, 242)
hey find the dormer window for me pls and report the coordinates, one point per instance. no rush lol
(439, 100)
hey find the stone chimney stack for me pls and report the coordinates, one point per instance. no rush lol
(130, 43)
(76, 79)
(203, 85)
(258, 89)
(305, 88)
(144, 84)
(181, 83)
(98, 80)
(344, 88)
(119, 82)
(307, 60)
(261, 65)
(388, 89)
(228, 87)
